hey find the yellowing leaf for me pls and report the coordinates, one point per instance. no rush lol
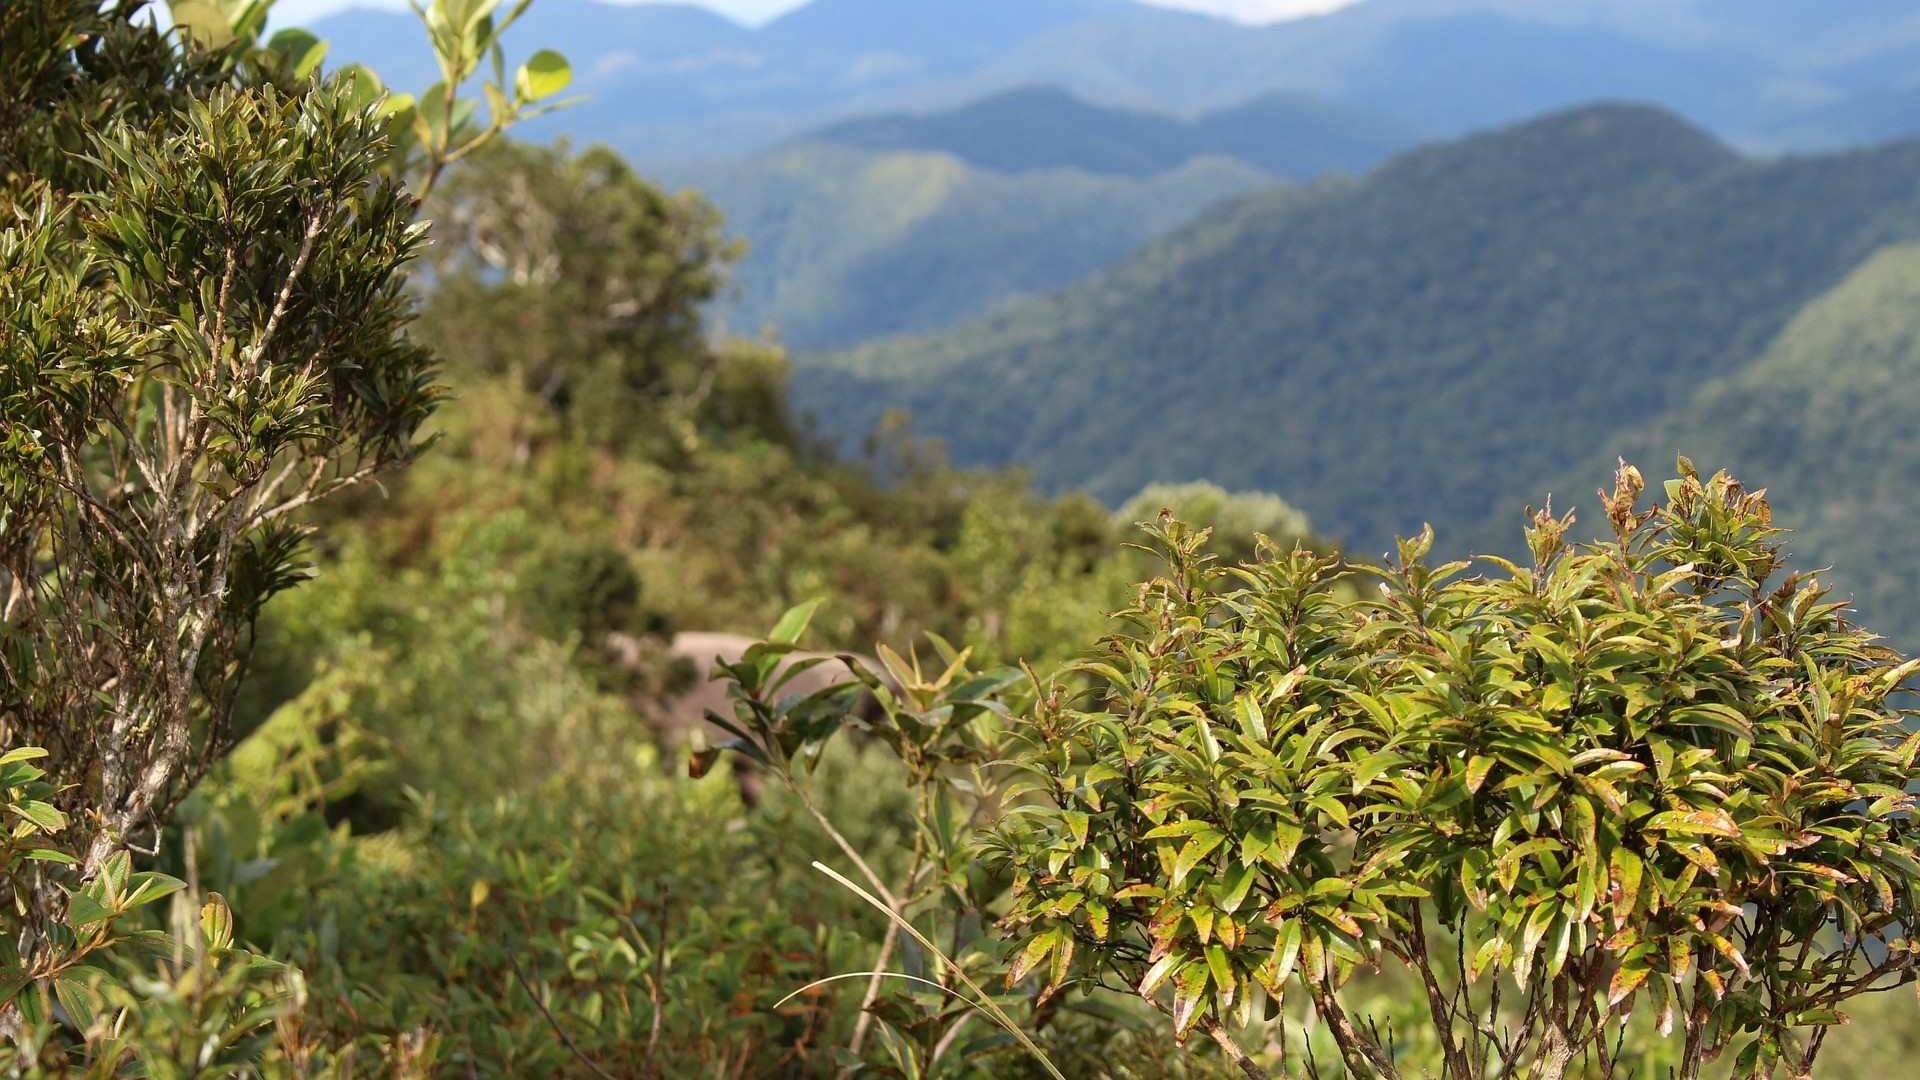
(545, 74)
(1695, 822)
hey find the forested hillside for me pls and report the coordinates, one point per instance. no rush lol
(844, 245)
(910, 222)
(1469, 321)
(1824, 414)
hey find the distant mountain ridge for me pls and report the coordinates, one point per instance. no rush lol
(1460, 330)
(671, 82)
(1042, 127)
(846, 244)
(908, 222)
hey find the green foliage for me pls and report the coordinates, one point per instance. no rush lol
(452, 645)
(595, 412)
(439, 128)
(1233, 519)
(207, 1010)
(583, 285)
(1636, 776)
(447, 931)
(202, 333)
(445, 670)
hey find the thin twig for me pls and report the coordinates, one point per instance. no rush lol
(554, 1022)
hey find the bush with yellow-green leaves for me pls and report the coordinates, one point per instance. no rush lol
(1647, 777)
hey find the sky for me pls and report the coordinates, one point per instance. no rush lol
(753, 11)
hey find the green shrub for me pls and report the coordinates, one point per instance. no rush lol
(1637, 779)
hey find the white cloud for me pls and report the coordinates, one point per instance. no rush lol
(1257, 11)
(300, 11)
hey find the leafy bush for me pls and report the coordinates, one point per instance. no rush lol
(1636, 776)
(202, 321)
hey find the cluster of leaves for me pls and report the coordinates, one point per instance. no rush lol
(1639, 775)
(583, 285)
(551, 933)
(438, 128)
(81, 967)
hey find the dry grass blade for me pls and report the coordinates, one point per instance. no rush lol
(883, 974)
(980, 1000)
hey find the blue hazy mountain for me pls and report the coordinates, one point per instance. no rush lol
(673, 82)
(1038, 128)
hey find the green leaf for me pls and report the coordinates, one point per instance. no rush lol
(148, 886)
(794, 623)
(1222, 968)
(113, 875)
(1077, 822)
(1286, 840)
(366, 87)
(1477, 770)
(393, 105)
(1157, 973)
(1625, 876)
(75, 997)
(84, 909)
(1183, 827)
(1192, 852)
(545, 74)
(1189, 990)
(302, 50)
(42, 815)
(1626, 980)
(1279, 963)
(216, 922)
(1233, 892)
(1252, 721)
(204, 20)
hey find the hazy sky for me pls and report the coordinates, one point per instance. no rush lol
(294, 11)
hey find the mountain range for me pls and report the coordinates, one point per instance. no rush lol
(846, 244)
(1473, 325)
(1030, 129)
(908, 222)
(671, 82)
